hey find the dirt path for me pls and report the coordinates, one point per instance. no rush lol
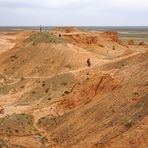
(44, 134)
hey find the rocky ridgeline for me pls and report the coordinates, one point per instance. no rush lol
(132, 42)
(114, 36)
(45, 37)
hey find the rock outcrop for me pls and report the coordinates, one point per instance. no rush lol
(131, 42)
(142, 43)
(114, 36)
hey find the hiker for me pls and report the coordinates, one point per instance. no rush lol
(88, 62)
(40, 28)
(60, 35)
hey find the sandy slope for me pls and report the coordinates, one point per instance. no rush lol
(8, 40)
(55, 100)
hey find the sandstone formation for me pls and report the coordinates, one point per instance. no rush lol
(51, 98)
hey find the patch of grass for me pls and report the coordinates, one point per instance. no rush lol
(68, 66)
(43, 85)
(49, 99)
(13, 57)
(87, 79)
(4, 143)
(42, 138)
(47, 90)
(1, 111)
(45, 37)
(22, 78)
(128, 124)
(33, 92)
(64, 83)
(50, 122)
(23, 87)
(33, 44)
(136, 93)
(17, 125)
(134, 36)
(66, 92)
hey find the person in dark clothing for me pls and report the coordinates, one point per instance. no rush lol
(60, 35)
(88, 63)
(40, 28)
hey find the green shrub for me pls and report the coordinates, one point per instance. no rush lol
(128, 124)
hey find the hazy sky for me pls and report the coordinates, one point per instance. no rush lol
(74, 12)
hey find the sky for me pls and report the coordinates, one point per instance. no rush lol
(74, 12)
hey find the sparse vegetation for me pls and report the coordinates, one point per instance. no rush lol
(128, 124)
(43, 85)
(136, 93)
(23, 87)
(47, 90)
(33, 92)
(64, 83)
(103, 104)
(68, 66)
(66, 92)
(49, 99)
(13, 57)
(17, 124)
(4, 143)
(87, 78)
(1, 110)
(22, 78)
(45, 37)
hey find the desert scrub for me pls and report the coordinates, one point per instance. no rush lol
(50, 121)
(45, 37)
(47, 90)
(25, 118)
(4, 143)
(68, 66)
(87, 78)
(17, 125)
(66, 92)
(64, 83)
(13, 57)
(42, 138)
(128, 124)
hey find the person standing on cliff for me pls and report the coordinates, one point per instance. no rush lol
(40, 28)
